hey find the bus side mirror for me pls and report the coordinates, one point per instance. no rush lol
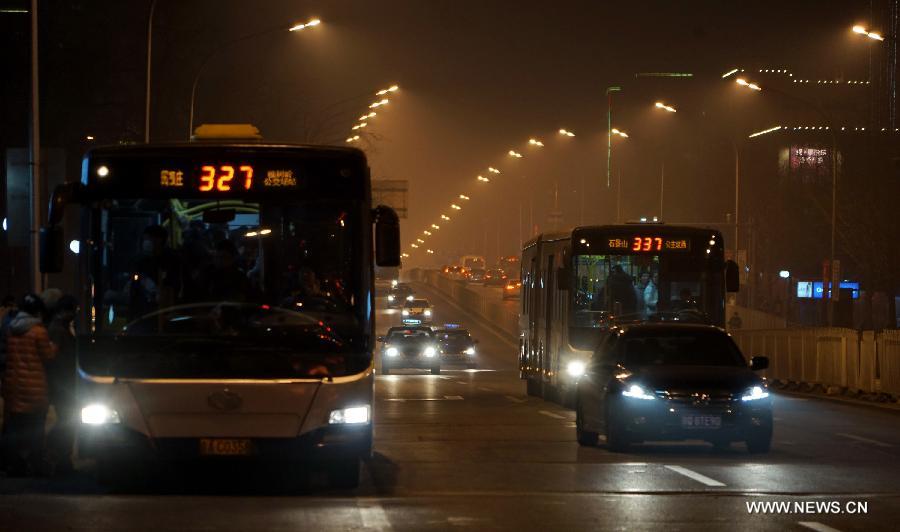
(52, 249)
(563, 280)
(732, 276)
(387, 236)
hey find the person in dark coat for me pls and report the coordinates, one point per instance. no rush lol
(61, 384)
(25, 394)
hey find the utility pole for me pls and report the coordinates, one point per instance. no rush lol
(609, 91)
(35, 156)
(662, 186)
(149, 71)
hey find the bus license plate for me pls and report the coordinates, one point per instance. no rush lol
(701, 422)
(225, 447)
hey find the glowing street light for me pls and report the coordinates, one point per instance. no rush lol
(744, 83)
(456, 207)
(379, 103)
(536, 142)
(870, 34)
(462, 197)
(354, 138)
(435, 226)
(619, 132)
(310, 24)
(445, 218)
(566, 133)
(668, 108)
(483, 179)
(405, 255)
(420, 241)
(367, 116)
(360, 125)
(414, 246)
(514, 153)
(493, 170)
(426, 232)
(430, 251)
(392, 88)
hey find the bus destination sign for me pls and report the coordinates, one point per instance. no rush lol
(648, 244)
(226, 177)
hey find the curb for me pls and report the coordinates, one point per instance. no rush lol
(890, 407)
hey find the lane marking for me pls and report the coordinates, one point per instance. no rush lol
(485, 389)
(817, 526)
(864, 440)
(372, 515)
(551, 414)
(515, 399)
(444, 398)
(703, 479)
(461, 382)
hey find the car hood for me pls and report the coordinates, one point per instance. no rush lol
(733, 379)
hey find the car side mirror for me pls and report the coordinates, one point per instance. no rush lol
(52, 249)
(759, 363)
(732, 277)
(387, 236)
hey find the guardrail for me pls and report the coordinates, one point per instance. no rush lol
(494, 312)
(865, 362)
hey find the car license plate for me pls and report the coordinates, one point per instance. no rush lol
(225, 447)
(701, 422)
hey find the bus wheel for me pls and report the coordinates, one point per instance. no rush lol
(119, 475)
(344, 474)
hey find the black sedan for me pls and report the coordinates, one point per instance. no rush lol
(410, 347)
(673, 382)
(457, 346)
(399, 295)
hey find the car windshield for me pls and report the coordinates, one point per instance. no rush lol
(680, 348)
(417, 303)
(409, 336)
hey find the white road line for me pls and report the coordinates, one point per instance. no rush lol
(551, 414)
(485, 389)
(703, 479)
(461, 382)
(817, 526)
(372, 515)
(453, 397)
(515, 399)
(865, 440)
(444, 398)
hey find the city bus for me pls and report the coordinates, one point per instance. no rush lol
(578, 283)
(228, 305)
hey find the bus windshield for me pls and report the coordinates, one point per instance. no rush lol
(212, 283)
(641, 287)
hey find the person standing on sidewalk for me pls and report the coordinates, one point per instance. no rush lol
(61, 384)
(24, 390)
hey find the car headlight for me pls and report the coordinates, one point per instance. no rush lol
(391, 351)
(754, 393)
(428, 313)
(405, 312)
(409, 298)
(391, 297)
(98, 414)
(429, 351)
(637, 392)
(349, 416)
(470, 351)
(394, 283)
(575, 368)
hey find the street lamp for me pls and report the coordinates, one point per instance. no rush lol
(834, 177)
(493, 170)
(667, 108)
(392, 88)
(535, 142)
(514, 153)
(566, 133)
(483, 179)
(870, 34)
(619, 132)
(294, 28)
(462, 197)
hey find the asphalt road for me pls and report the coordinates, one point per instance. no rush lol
(468, 449)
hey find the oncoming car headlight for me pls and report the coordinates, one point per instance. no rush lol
(754, 393)
(405, 312)
(391, 351)
(429, 351)
(636, 392)
(98, 414)
(409, 298)
(353, 415)
(575, 368)
(470, 351)
(391, 297)
(427, 312)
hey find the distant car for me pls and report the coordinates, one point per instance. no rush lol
(671, 381)
(457, 345)
(410, 347)
(399, 295)
(512, 289)
(494, 277)
(476, 275)
(455, 272)
(416, 312)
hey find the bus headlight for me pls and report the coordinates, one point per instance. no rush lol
(428, 313)
(391, 351)
(405, 312)
(754, 393)
(349, 416)
(470, 351)
(575, 368)
(429, 351)
(98, 414)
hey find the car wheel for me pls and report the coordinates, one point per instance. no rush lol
(344, 475)
(760, 443)
(586, 438)
(120, 475)
(436, 371)
(616, 436)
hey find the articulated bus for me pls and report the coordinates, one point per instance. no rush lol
(228, 304)
(578, 283)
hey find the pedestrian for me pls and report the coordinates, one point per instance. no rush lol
(25, 395)
(8, 311)
(735, 321)
(61, 384)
